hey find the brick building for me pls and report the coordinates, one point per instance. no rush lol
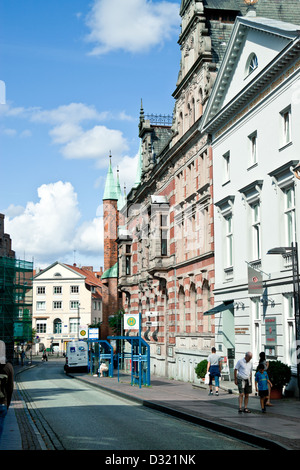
(165, 263)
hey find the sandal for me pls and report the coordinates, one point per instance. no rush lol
(240, 410)
(246, 410)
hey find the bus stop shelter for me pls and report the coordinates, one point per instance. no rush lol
(99, 351)
(139, 357)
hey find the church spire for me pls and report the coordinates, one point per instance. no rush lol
(119, 192)
(110, 190)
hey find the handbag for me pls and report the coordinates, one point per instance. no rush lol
(206, 378)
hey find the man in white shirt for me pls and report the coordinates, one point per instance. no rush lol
(243, 379)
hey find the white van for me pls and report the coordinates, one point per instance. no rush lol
(76, 355)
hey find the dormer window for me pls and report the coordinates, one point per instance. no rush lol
(251, 64)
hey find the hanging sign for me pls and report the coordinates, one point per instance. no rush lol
(131, 321)
(255, 281)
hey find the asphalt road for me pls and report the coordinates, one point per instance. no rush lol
(71, 415)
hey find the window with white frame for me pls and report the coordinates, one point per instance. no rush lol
(226, 207)
(57, 289)
(226, 167)
(286, 126)
(57, 305)
(290, 328)
(74, 325)
(41, 326)
(74, 289)
(251, 64)
(41, 305)
(289, 215)
(256, 242)
(41, 290)
(229, 240)
(74, 304)
(252, 148)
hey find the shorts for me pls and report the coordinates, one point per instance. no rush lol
(263, 393)
(244, 386)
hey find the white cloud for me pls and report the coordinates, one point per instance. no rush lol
(96, 143)
(9, 132)
(127, 172)
(73, 128)
(71, 113)
(131, 25)
(50, 228)
(89, 236)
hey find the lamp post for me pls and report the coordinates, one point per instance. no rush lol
(78, 319)
(296, 171)
(293, 251)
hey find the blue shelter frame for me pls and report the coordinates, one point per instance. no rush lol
(140, 359)
(105, 353)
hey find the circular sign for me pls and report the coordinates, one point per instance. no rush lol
(131, 321)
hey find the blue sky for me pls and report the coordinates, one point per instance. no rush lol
(75, 72)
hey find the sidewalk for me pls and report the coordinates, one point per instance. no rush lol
(19, 431)
(277, 429)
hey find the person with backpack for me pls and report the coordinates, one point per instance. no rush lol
(6, 385)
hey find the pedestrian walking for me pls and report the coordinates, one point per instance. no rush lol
(262, 384)
(265, 363)
(214, 367)
(6, 385)
(45, 357)
(22, 357)
(243, 379)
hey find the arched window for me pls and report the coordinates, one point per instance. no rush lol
(57, 326)
(251, 64)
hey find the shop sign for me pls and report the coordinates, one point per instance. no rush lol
(271, 335)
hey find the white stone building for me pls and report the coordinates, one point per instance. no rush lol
(66, 299)
(253, 117)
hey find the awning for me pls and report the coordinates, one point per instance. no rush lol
(219, 308)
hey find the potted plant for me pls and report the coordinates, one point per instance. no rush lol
(201, 369)
(280, 375)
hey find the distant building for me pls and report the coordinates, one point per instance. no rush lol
(66, 300)
(5, 241)
(15, 296)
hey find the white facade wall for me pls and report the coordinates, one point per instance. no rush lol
(73, 291)
(247, 183)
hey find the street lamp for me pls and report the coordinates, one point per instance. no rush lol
(78, 319)
(293, 252)
(296, 171)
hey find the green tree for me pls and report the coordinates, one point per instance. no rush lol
(115, 321)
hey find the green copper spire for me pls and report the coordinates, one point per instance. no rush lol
(110, 190)
(119, 193)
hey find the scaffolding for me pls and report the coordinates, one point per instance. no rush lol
(15, 303)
